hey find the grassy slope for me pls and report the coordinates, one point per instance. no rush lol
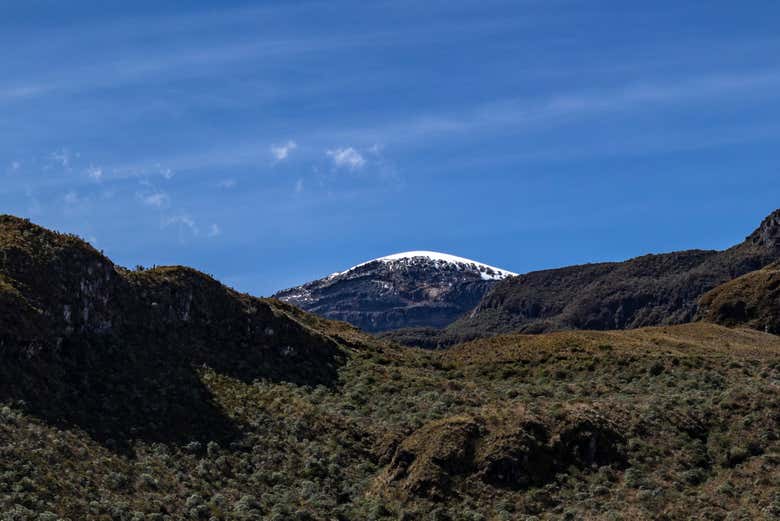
(189, 407)
(697, 404)
(752, 300)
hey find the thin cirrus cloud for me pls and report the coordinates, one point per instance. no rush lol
(503, 114)
(137, 67)
(564, 108)
(517, 114)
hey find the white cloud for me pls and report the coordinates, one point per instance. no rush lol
(72, 198)
(299, 186)
(95, 173)
(156, 199)
(214, 230)
(227, 183)
(167, 173)
(281, 152)
(63, 158)
(346, 158)
(16, 165)
(183, 222)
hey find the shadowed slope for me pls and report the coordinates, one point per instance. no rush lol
(118, 352)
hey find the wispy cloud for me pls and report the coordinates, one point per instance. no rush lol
(227, 184)
(156, 199)
(562, 107)
(63, 158)
(95, 173)
(166, 172)
(503, 115)
(173, 62)
(11, 94)
(214, 231)
(281, 152)
(183, 222)
(346, 158)
(71, 198)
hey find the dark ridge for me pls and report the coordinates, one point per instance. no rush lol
(117, 353)
(662, 289)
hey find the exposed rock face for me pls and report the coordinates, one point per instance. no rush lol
(752, 300)
(768, 233)
(405, 290)
(426, 463)
(650, 290)
(512, 449)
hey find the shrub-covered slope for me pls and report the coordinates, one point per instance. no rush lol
(162, 395)
(114, 351)
(649, 290)
(752, 300)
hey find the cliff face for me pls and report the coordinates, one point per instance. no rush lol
(415, 289)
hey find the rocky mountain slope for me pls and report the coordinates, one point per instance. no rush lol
(752, 300)
(410, 289)
(161, 395)
(648, 290)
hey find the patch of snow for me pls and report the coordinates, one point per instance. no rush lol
(486, 272)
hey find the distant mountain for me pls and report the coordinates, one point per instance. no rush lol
(649, 290)
(659, 289)
(410, 289)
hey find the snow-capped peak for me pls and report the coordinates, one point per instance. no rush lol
(486, 272)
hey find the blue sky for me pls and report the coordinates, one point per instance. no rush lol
(273, 143)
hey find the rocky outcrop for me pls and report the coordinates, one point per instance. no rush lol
(509, 449)
(415, 289)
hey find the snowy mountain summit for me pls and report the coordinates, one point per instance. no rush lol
(409, 289)
(444, 260)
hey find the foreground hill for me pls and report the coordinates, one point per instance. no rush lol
(649, 290)
(162, 395)
(411, 289)
(752, 300)
(113, 351)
